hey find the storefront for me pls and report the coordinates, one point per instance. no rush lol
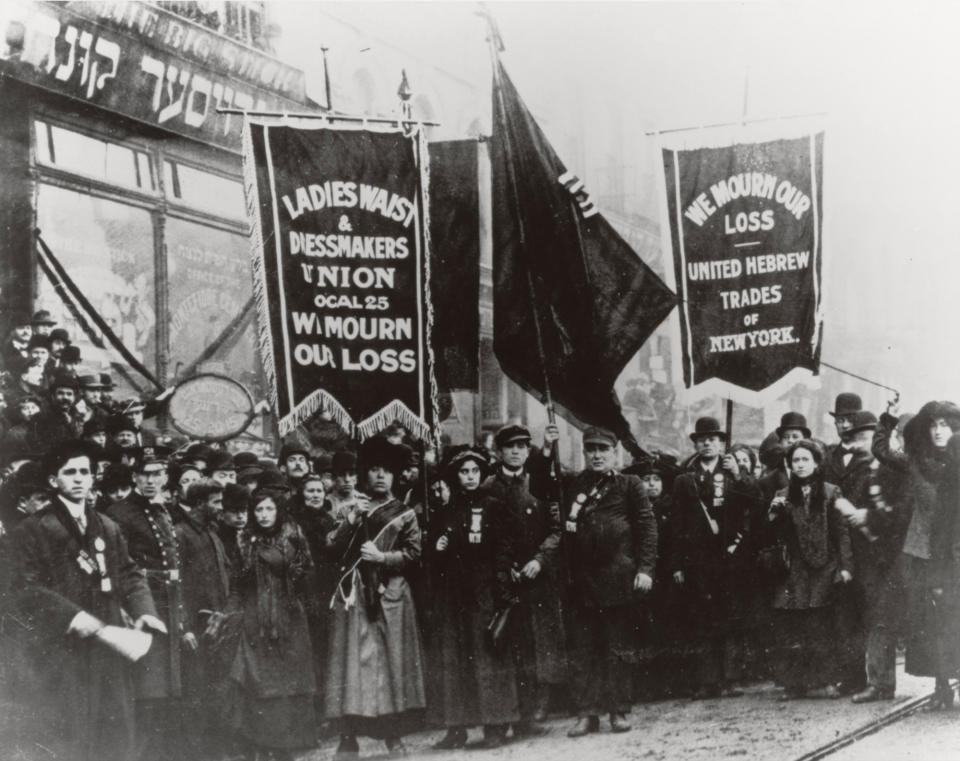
(113, 148)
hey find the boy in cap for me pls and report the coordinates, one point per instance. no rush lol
(73, 575)
(713, 502)
(611, 533)
(540, 648)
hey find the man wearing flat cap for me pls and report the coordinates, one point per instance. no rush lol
(611, 536)
(148, 528)
(540, 651)
(712, 503)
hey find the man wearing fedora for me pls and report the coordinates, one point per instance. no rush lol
(611, 533)
(712, 505)
(540, 653)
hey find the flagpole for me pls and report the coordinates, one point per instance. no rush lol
(496, 45)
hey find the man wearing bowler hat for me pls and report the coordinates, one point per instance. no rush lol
(845, 405)
(539, 640)
(712, 504)
(868, 648)
(792, 428)
(42, 323)
(611, 532)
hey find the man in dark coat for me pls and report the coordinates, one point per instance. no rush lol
(612, 536)
(60, 423)
(539, 637)
(876, 537)
(850, 466)
(206, 589)
(74, 574)
(148, 529)
(712, 504)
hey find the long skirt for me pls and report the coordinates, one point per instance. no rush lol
(374, 672)
(806, 655)
(933, 626)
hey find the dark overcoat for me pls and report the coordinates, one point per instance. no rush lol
(152, 541)
(615, 539)
(535, 525)
(818, 548)
(87, 686)
(471, 582)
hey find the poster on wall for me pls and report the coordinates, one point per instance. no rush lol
(341, 274)
(746, 223)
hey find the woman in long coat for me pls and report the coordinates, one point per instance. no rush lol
(471, 564)
(928, 496)
(817, 554)
(273, 665)
(374, 677)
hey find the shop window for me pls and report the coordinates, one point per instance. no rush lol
(107, 250)
(203, 190)
(209, 279)
(100, 159)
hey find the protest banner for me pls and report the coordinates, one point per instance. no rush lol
(745, 230)
(341, 274)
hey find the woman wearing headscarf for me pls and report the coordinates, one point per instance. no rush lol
(374, 677)
(928, 496)
(273, 666)
(471, 582)
(817, 556)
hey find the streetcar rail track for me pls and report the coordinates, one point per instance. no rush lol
(844, 741)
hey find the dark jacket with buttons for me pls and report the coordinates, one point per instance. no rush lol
(615, 538)
(153, 546)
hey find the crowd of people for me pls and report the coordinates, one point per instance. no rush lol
(374, 591)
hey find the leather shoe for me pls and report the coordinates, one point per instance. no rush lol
(455, 738)
(871, 694)
(585, 725)
(618, 723)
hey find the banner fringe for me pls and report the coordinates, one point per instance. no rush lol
(395, 410)
(264, 337)
(433, 428)
(317, 400)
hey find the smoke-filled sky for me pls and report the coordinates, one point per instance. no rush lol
(887, 75)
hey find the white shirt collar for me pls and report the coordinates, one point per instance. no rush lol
(76, 509)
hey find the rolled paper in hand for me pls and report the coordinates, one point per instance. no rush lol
(130, 643)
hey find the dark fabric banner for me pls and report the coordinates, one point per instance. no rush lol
(745, 224)
(558, 260)
(341, 275)
(455, 263)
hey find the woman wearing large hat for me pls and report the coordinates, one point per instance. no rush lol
(375, 669)
(931, 496)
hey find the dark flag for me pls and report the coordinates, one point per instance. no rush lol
(455, 263)
(559, 263)
(341, 275)
(746, 228)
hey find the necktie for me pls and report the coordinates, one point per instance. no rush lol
(82, 522)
